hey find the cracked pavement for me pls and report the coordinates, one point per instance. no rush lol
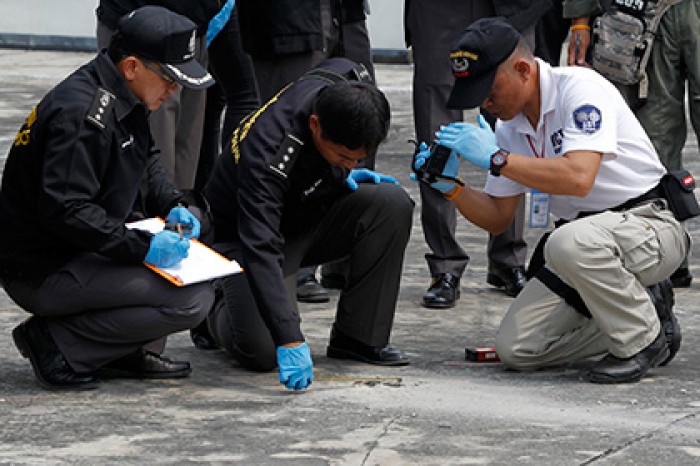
(440, 410)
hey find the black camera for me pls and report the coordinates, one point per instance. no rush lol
(432, 169)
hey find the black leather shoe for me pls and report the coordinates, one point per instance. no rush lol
(443, 292)
(34, 341)
(201, 337)
(333, 275)
(662, 297)
(145, 365)
(512, 280)
(612, 369)
(310, 291)
(344, 347)
(333, 281)
(681, 278)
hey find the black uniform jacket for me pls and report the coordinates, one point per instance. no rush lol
(280, 27)
(200, 12)
(521, 14)
(270, 185)
(80, 165)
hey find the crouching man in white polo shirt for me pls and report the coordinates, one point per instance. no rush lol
(567, 132)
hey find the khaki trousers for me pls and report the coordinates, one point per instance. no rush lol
(609, 258)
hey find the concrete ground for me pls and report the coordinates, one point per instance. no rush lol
(440, 410)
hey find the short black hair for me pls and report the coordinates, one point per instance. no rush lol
(117, 48)
(353, 114)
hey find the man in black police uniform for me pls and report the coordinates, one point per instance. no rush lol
(81, 166)
(283, 195)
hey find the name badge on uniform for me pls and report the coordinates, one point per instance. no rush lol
(539, 209)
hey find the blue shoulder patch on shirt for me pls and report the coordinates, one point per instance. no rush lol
(587, 118)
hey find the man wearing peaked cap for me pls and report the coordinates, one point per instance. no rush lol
(602, 289)
(474, 67)
(167, 39)
(430, 27)
(82, 166)
(177, 125)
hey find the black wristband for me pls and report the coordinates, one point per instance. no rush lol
(499, 159)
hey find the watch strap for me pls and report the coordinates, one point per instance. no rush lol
(499, 159)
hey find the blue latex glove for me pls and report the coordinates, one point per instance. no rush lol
(296, 366)
(167, 249)
(182, 215)
(473, 143)
(364, 175)
(451, 168)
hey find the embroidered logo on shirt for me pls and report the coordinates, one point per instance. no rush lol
(587, 118)
(557, 139)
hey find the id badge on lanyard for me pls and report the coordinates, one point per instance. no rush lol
(539, 202)
(539, 209)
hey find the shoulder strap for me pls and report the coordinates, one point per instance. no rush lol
(357, 73)
(649, 36)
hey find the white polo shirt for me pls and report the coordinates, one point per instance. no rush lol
(581, 110)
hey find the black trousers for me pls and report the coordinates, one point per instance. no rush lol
(98, 310)
(370, 229)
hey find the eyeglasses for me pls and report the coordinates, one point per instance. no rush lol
(168, 80)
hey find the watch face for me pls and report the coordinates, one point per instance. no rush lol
(499, 159)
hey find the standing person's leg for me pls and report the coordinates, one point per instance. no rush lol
(507, 252)
(237, 77)
(433, 25)
(211, 133)
(177, 128)
(234, 89)
(550, 33)
(356, 47)
(663, 114)
(271, 75)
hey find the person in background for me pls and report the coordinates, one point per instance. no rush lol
(82, 165)
(672, 68)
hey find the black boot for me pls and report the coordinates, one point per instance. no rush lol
(661, 295)
(612, 369)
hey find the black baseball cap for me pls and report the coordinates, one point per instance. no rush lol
(476, 55)
(167, 38)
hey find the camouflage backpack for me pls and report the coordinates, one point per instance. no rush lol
(623, 37)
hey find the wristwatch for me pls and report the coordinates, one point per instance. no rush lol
(499, 159)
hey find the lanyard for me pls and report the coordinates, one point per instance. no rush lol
(539, 155)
